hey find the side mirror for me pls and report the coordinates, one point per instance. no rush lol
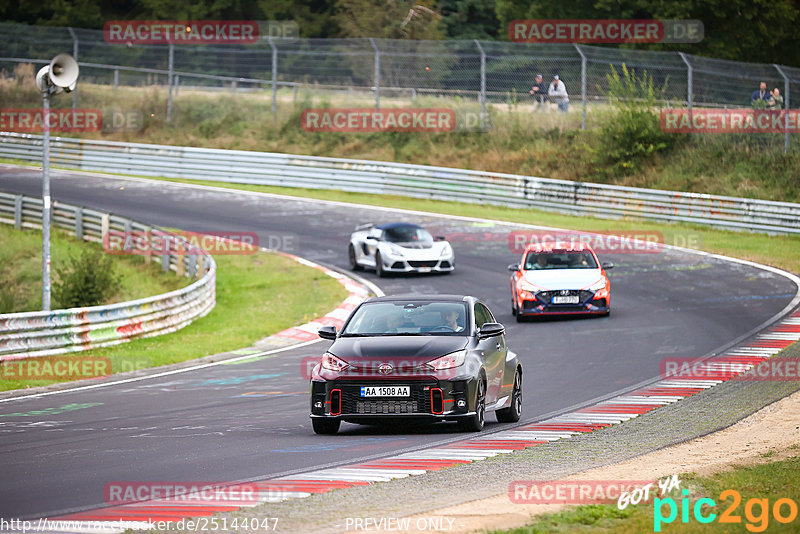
(371, 238)
(327, 332)
(491, 330)
(608, 265)
(514, 267)
(439, 238)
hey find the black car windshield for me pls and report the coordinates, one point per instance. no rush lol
(560, 260)
(405, 318)
(407, 234)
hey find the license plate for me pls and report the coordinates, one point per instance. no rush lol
(424, 269)
(385, 391)
(572, 299)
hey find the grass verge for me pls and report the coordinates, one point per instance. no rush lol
(256, 296)
(21, 270)
(765, 484)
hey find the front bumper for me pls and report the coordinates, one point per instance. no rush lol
(407, 265)
(430, 400)
(541, 304)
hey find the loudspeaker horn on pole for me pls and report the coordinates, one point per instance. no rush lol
(61, 73)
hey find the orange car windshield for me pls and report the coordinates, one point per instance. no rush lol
(559, 260)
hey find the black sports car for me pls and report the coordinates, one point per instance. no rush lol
(428, 358)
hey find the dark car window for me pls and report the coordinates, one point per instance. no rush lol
(482, 315)
(408, 318)
(560, 260)
(407, 234)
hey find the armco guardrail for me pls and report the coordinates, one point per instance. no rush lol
(439, 183)
(42, 333)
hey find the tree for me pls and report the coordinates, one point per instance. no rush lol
(391, 19)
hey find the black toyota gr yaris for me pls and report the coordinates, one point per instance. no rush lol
(423, 358)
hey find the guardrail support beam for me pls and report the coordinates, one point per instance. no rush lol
(18, 212)
(79, 223)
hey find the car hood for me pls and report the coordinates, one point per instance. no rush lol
(394, 349)
(552, 279)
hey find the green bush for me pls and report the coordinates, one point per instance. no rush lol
(86, 280)
(631, 134)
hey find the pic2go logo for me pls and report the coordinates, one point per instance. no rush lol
(756, 511)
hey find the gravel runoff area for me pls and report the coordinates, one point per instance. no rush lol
(437, 494)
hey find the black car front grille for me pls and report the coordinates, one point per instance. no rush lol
(418, 402)
(423, 263)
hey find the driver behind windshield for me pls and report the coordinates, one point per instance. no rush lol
(450, 319)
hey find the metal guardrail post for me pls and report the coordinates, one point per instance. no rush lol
(79, 223)
(165, 262)
(18, 212)
(116, 78)
(377, 73)
(274, 77)
(482, 96)
(689, 83)
(169, 81)
(785, 107)
(74, 55)
(583, 85)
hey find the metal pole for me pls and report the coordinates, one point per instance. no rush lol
(46, 200)
(785, 107)
(377, 73)
(689, 82)
(74, 55)
(274, 77)
(583, 85)
(482, 96)
(169, 82)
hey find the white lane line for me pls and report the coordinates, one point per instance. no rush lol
(165, 373)
(692, 383)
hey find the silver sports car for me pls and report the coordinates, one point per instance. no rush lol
(399, 248)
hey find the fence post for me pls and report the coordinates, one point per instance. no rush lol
(583, 85)
(75, 55)
(482, 96)
(169, 81)
(79, 223)
(377, 73)
(274, 77)
(689, 83)
(116, 78)
(18, 212)
(785, 107)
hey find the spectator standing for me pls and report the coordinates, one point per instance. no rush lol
(776, 102)
(539, 92)
(760, 98)
(558, 93)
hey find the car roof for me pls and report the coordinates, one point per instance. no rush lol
(389, 226)
(553, 246)
(431, 298)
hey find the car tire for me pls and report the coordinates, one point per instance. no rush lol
(520, 317)
(379, 266)
(325, 426)
(351, 255)
(514, 411)
(513, 308)
(475, 423)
